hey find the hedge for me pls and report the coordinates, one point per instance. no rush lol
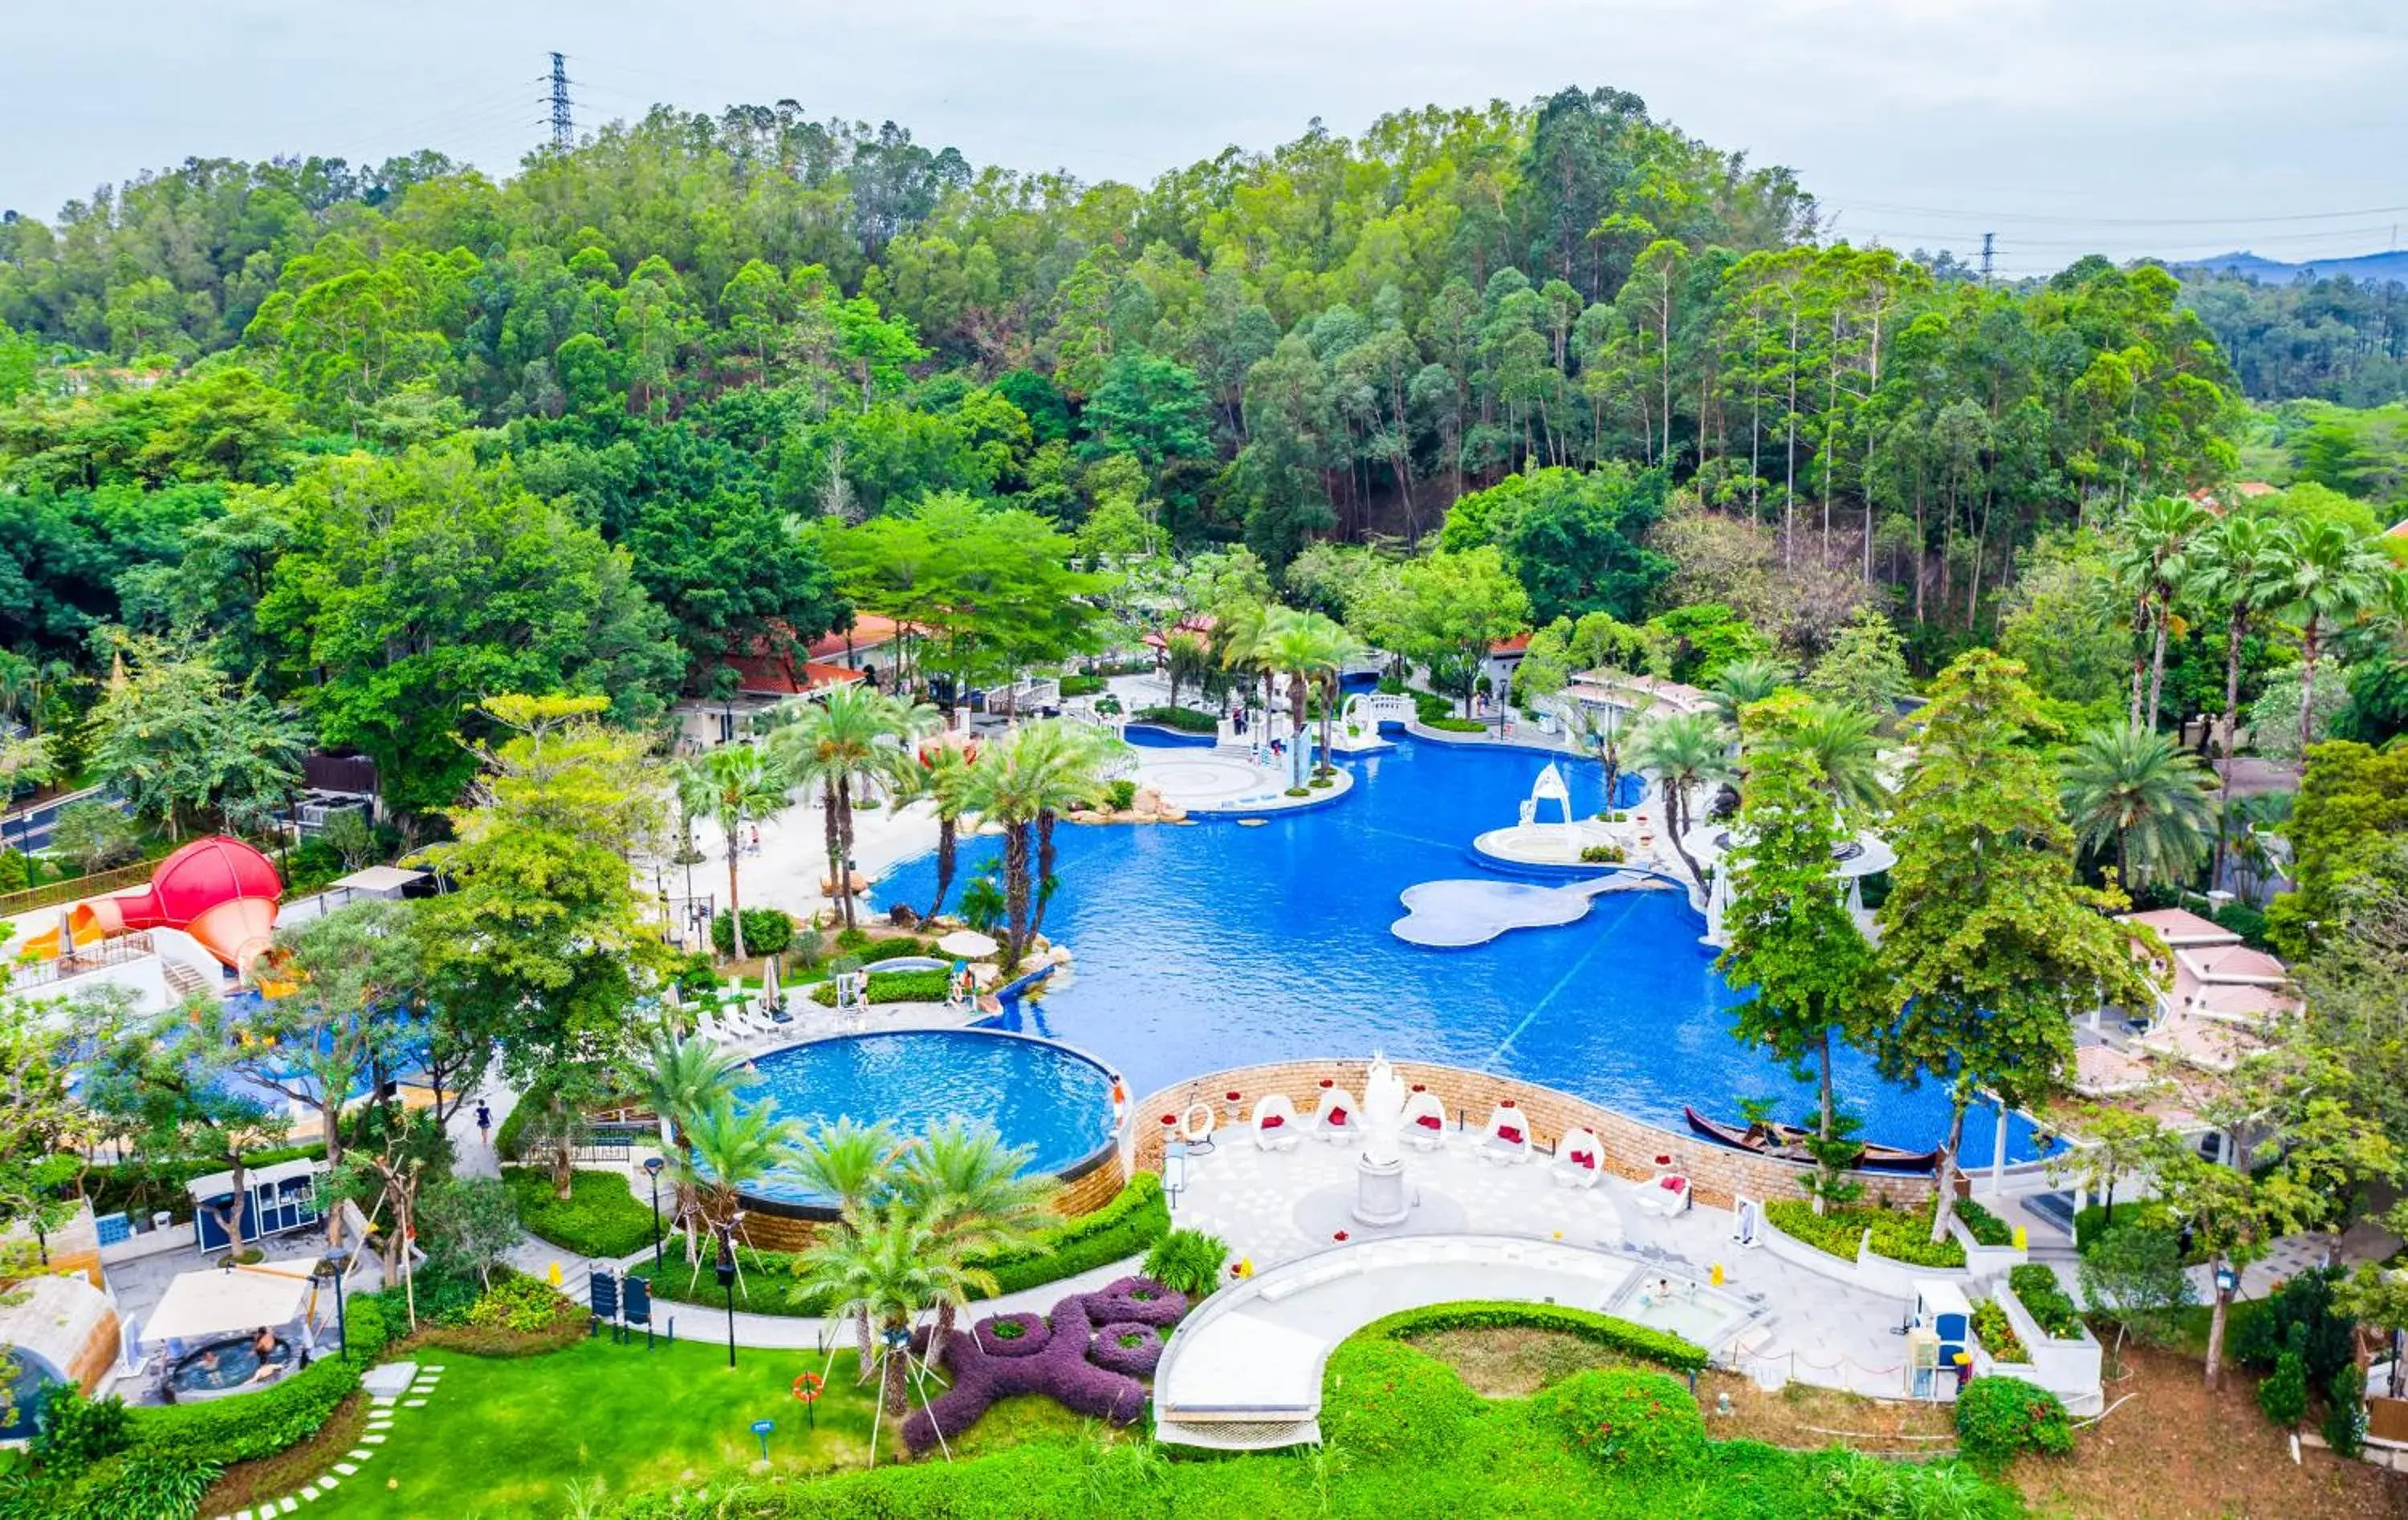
(228, 1430)
(768, 931)
(1128, 1227)
(1647, 1344)
(894, 987)
(2036, 1287)
(599, 1218)
(1186, 719)
(1898, 1235)
(1455, 726)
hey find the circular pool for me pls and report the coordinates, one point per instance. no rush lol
(1034, 1093)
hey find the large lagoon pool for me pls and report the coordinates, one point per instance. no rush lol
(1218, 945)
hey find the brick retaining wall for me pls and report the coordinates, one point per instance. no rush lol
(1715, 1171)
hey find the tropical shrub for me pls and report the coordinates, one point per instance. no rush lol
(1997, 1336)
(2001, 1418)
(768, 931)
(1188, 1260)
(2090, 1223)
(1627, 1418)
(2300, 1316)
(516, 1303)
(2037, 1289)
(1603, 854)
(74, 1431)
(2284, 1396)
(1121, 794)
(599, 1218)
(1448, 724)
(1077, 685)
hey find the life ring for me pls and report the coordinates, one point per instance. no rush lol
(1196, 1134)
(808, 1386)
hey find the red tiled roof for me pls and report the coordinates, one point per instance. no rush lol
(1198, 623)
(765, 668)
(1514, 645)
(868, 631)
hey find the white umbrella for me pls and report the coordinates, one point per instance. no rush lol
(769, 985)
(969, 944)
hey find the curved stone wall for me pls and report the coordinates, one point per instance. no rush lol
(1717, 1172)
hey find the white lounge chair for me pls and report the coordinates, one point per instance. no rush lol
(1276, 1126)
(1664, 1195)
(1337, 1118)
(1424, 1124)
(1507, 1136)
(1579, 1160)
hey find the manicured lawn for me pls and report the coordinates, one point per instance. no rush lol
(502, 1440)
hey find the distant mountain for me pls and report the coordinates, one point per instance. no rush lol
(2375, 268)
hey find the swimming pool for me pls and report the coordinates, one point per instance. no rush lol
(1055, 1102)
(1213, 946)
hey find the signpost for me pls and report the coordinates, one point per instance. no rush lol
(761, 1429)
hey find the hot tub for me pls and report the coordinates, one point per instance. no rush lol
(225, 1368)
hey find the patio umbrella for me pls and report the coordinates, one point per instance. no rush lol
(969, 944)
(769, 985)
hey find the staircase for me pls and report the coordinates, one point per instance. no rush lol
(182, 980)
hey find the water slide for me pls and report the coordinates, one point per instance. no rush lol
(220, 891)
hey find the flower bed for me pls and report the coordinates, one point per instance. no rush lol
(1897, 1234)
(1985, 1227)
(1996, 1336)
(1088, 1371)
(1020, 1334)
(2037, 1288)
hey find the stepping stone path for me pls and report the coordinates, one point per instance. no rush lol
(384, 1385)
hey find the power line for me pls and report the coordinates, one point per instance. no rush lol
(1947, 215)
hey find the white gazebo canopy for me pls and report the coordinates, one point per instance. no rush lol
(217, 1304)
(1853, 861)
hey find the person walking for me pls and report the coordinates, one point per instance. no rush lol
(485, 1124)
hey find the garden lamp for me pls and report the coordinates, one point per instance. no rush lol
(653, 1169)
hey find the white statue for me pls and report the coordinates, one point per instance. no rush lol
(1384, 1111)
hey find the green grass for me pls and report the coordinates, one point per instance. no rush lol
(502, 1440)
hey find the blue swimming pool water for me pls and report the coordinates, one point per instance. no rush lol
(1054, 1101)
(1217, 945)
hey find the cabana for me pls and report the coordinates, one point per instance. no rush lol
(1275, 1123)
(1579, 1160)
(1664, 1195)
(60, 1329)
(206, 1310)
(1423, 1120)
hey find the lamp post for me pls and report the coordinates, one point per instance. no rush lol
(653, 1169)
(335, 1263)
(726, 1269)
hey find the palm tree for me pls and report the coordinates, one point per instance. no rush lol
(1848, 753)
(679, 1079)
(977, 1195)
(729, 1148)
(2243, 557)
(1744, 682)
(879, 1271)
(1304, 645)
(2137, 789)
(1043, 769)
(1685, 750)
(737, 783)
(1184, 658)
(853, 734)
(2327, 576)
(848, 1161)
(2151, 564)
(943, 778)
(1238, 632)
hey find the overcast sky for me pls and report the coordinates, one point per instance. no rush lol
(2181, 127)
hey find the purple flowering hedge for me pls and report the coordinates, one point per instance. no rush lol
(1069, 1360)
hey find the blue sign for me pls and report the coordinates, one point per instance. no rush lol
(762, 1428)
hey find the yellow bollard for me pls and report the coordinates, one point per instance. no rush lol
(551, 1274)
(1715, 1276)
(2023, 1237)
